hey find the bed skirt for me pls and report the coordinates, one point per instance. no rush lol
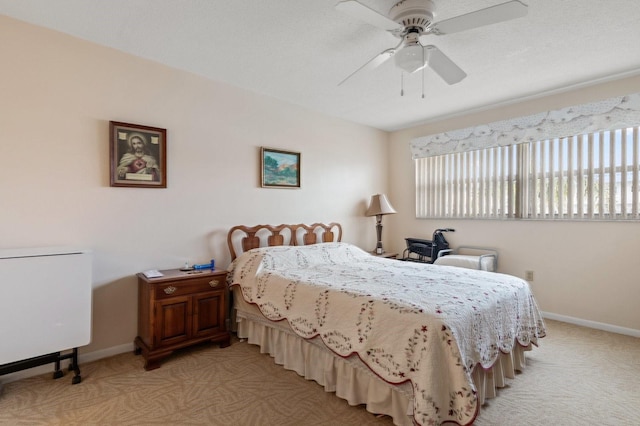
(349, 378)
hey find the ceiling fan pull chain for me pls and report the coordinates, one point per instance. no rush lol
(423, 67)
(401, 83)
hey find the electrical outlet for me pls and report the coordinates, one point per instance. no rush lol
(528, 275)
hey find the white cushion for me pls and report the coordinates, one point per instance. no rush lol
(467, 261)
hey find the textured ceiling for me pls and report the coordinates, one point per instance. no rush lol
(299, 50)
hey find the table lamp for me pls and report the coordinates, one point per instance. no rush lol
(379, 206)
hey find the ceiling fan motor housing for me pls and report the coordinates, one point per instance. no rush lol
(413, 14)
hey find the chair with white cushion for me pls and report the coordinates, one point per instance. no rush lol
(469, 257)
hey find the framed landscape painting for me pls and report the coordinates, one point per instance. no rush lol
(279, 169)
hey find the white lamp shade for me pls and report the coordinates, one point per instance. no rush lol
(410, 58)
(379, 205)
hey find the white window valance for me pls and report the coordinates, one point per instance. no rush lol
(614, 113)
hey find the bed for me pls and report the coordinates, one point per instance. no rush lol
(424, 344)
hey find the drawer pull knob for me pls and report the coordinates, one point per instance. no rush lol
(214, 283)
(170, 290)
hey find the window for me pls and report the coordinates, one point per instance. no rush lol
(591, 176)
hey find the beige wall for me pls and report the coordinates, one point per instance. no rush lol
(58, 95)
(584, 271)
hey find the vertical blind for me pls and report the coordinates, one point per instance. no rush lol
(590, 176)
(472, 184)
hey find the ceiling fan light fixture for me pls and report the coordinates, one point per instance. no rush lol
(412, 22)
(410, 58)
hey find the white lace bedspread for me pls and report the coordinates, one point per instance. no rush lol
(407, 321)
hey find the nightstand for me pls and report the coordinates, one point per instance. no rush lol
(386, 255)
(180, 309)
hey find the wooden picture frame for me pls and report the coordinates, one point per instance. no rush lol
(138, 155)
(279, 169)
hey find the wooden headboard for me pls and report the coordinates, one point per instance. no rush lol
(243, 238)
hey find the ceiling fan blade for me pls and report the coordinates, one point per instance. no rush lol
(366, 14)
(479, 18)
(378, 60)
(443, 66)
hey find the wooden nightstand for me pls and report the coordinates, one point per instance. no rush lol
(180, 309)
(387, 255)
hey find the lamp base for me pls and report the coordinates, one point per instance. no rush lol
(379, 249)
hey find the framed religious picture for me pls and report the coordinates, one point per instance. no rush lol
(138, 155)
(279, 169)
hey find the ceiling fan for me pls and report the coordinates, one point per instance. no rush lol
(412, 22)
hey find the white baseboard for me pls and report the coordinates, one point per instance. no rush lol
(82, 359)
(592, 324)
(105, 353)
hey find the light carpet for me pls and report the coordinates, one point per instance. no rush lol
(578, 376)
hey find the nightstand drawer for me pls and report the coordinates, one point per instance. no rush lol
(198, 285)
